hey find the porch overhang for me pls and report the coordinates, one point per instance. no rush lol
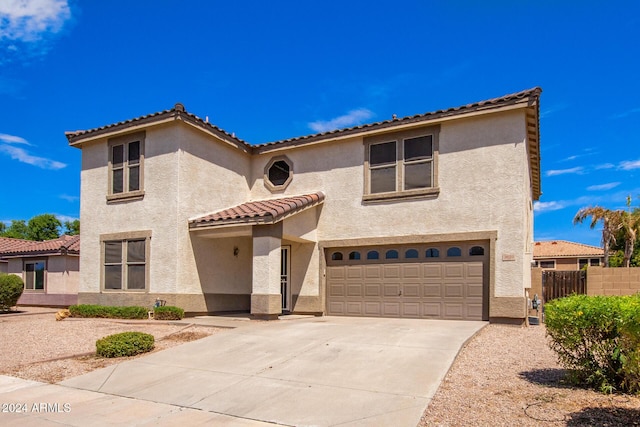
(259, 212)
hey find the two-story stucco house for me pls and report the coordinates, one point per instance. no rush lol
(428, 216)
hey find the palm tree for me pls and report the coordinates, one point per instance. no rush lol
(629, 224)
(611, 223)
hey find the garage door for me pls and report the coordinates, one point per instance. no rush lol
(446, 281)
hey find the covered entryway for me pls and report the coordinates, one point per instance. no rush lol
(443, 281)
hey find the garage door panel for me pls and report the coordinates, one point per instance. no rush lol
(354, 272)
(454, 270)
(454, 290)
(432, 271)
(391, 309)
(337, 308)
(453, 310)
(474, 269)
(432, 290)
(474, 290)
(373, 290)
(427, 289)
(391, 271)
(474, 311)
(411, 309)
(373, 309)
(411, 290)
(335, 273)
(354, 290)
(411, 271)
(336, 290)
(392, 290)
(373, 271)
(432, 310)
(355, 308)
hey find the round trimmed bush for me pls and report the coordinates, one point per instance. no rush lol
(124, 344)
(11, 287)
(168, 312)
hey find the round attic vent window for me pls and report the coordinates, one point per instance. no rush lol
(278, 173)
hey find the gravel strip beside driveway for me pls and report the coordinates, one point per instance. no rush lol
(508, 376)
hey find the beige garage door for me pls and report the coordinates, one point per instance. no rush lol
(436, 282)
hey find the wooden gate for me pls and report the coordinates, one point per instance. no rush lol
(558, 284)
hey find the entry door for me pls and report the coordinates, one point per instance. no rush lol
(285, 271)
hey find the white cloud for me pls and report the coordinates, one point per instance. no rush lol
(605, 166)
(353, 117)
(68, 198)
(65, 218)
(626, 113)
(577, 170)
(552, 110)
(30, 20)
(23, 156)
(601, 187)
(12, 139)
(628, 165)
(548, 206)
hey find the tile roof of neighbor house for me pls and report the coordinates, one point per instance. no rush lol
(564, 249)
(260, 211)
(60, 246)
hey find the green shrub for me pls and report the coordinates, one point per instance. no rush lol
(168, 313)
(11, 287)
(597, 338)
(104, 311)
(124, 344)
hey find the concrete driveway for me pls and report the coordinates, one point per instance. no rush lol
(321, 371)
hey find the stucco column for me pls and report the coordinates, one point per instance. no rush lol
(266, 300)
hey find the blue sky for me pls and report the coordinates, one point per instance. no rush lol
(279, 69)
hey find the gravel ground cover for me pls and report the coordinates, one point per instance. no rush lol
(508, 376)
(504, 376)
(37, 347)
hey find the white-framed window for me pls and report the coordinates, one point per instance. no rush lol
(35, 275)
(126, 161)
(125, 262)
(583, 262)
(401, 165)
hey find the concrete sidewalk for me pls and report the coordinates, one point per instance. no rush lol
(306, 371)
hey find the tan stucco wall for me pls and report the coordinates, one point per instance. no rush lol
(185, 174)
(482, 175)
(4, 267)
(484, 186)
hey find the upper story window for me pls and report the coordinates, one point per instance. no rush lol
(126, 155)
(401, 165)
(278, 173)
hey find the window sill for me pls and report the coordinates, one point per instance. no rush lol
(34, 291)
(125, 197)
(125, 291)
(402, 195)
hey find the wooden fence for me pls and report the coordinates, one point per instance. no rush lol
(558, 284)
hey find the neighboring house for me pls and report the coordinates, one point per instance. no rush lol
(427, 216)
(563, 255)
(50, 269)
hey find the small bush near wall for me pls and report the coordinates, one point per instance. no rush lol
(104, 311)
(124, 344)
(11, 287)
(597, 338)
(168, 313)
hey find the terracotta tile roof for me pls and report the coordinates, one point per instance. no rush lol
(17, 247)
(529, 96)
(564, 249)
(260, 211)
